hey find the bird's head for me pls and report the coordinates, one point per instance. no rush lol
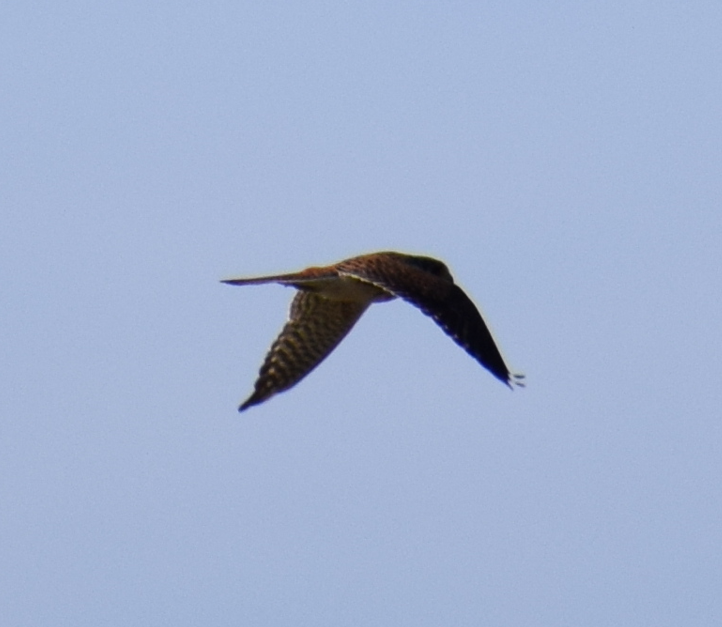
(430, 265)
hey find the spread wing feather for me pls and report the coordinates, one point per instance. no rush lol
(438, 297)
(315, 327)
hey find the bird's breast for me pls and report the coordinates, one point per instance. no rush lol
(348, 289)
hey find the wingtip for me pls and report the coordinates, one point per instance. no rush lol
(253, 399)
(516, 380)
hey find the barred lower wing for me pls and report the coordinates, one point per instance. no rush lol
(315, 327)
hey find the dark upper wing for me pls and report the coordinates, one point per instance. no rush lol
(443, 301)
(315, 327)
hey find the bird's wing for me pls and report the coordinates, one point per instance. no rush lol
(443, 301)
(315, 327)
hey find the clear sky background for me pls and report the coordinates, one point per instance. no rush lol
(564, 159)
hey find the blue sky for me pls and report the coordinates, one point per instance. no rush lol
(563, 160)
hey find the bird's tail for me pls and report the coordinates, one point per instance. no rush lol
(260, 280)
(307, 276)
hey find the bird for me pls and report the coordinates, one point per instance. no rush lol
(331, 299)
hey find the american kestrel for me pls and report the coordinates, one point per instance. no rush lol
(331, 299)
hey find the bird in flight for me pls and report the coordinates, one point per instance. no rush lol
(331, 299)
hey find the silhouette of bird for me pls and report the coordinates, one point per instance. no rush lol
(331, 299)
